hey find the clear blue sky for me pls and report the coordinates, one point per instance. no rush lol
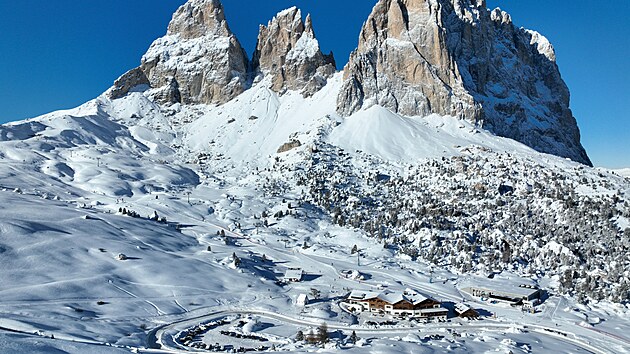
(59, 54)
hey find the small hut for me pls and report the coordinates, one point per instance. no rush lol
(464, 311)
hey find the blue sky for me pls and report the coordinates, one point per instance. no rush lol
(59, 54)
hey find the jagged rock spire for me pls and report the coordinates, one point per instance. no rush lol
(199, 18)
(288, 51)
(200, 60)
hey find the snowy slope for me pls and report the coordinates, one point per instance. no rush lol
(154, 223)
(252, 127)
(623, 172)
(65, 177)
(392, 137)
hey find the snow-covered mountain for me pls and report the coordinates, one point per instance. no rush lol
(448, 57)
(198, 61)
(458, 58)
(182, 194)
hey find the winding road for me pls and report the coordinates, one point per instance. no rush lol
(163, 338)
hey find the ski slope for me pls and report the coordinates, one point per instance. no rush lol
(66, 176)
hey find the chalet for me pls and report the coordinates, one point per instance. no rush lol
(301, 300)
(464, 311)
(516, 295)
(293, 275)
(408, 303)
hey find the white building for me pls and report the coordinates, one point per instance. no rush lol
(516, 295)
(301, 300)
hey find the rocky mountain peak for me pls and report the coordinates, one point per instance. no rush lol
(456, 57)
(199, 60)
(288, 51)
(414, 57)
(198, 18)
(308, 25)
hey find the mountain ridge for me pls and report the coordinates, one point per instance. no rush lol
(450, 57)
(127, 218)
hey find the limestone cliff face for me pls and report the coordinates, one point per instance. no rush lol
(198, 61)
(414, 57)
(201, 61)
(288, 51)
(455, 57)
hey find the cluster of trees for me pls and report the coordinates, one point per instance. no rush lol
(485, 211)
(128, 212)
(154, 216)
(319, 336)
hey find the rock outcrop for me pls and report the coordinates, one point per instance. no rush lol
(201, 61)
(198, 61)
(292, 144)
(288, 51)
(456, 57)
(131, 79)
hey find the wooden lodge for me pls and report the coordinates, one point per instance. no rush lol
(408, 303)
(464, 311)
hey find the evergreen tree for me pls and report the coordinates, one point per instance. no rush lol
(236, 260)
(299, 336)
(353, 337)
(322, 333)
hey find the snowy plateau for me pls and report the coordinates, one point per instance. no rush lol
(133, 225)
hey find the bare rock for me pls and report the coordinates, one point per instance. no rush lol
(456, 57)
(288, 51)
(198, 61)
(289, 146)
(199, 18)
(168, 93)
(131, 79)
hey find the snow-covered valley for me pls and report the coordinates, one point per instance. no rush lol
(80, 188)
(212, 203)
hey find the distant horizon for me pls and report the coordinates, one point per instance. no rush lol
(70, 53)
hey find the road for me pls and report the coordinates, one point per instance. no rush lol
(568, 334)
(163, 338)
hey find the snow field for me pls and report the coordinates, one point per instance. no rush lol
(65, 176)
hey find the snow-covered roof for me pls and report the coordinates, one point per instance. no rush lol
(294, 274)
(391, 297)
(461, 308)
(302, 299)
(509, 289)
(408, 295)
(363, 295)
